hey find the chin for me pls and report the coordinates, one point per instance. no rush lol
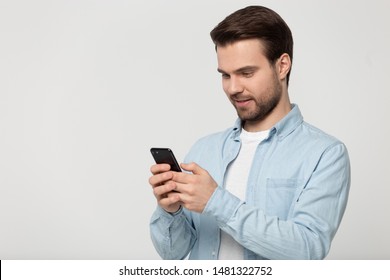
(254, 117)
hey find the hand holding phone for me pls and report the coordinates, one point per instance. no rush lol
(164, 155)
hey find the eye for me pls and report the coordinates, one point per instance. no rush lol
(247, 74)
(225, 76)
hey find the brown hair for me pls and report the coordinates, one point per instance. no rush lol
(256, 22)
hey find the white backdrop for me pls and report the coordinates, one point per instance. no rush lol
(87, 87)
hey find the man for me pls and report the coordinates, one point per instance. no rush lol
(270, 187)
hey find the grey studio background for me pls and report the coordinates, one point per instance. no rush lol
(87, 87)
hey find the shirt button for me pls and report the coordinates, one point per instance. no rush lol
(213, 253)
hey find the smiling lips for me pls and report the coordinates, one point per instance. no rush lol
(241, 102)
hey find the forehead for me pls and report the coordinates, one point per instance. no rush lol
(240, 54)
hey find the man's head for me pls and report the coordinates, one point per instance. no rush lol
(256, 22)
(254, 50)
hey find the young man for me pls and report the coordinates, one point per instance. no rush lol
(270, 187)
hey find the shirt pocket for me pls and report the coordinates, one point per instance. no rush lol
(280, 194)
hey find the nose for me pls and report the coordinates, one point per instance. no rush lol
(234, 85)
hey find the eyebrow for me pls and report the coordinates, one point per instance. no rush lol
(240, 70)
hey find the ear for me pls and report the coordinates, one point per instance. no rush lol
(283, 66)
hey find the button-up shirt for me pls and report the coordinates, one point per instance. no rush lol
(296, 196)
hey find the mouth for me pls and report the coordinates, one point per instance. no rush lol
(242, 102)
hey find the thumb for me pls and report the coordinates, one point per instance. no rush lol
(192, 167)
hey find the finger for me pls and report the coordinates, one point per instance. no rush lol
(170, 203)
(179, 187)
(188, 201)
(164, 190)
(160, 178)
(160, 168)
(193, 167)
(185, 189)
(182, 177)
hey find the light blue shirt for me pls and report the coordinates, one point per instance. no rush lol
(296, 196)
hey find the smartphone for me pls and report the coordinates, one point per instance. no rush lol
(165, 155)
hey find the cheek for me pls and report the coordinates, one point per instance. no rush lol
(260, 86)
(255, 87)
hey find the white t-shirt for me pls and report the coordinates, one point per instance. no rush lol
(236, 181)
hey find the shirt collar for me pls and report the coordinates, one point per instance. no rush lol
(289, 123)
(282, 128)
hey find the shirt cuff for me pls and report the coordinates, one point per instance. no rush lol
(168, 215)
(222, 205)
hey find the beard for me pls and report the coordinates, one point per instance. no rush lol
(264, 105)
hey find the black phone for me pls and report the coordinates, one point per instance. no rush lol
(165, 155)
